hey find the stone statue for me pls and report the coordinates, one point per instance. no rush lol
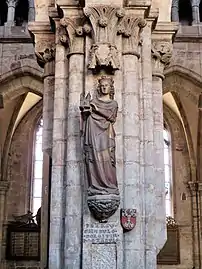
(99, 115)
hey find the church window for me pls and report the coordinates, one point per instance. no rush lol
(37, 172)
(168, 172)
(185, 12)
(3, 12)
(21, 12)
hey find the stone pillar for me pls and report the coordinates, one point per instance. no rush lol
(45, 52)
(58, 177)
(147, 149)
(46, 58)
(195, 11)
(11, 11)
(195, 200)
(31, 15)
(119, 46)
(175, 11)
(161, 55)
(73, 184)
(4, 185)
(133, 184)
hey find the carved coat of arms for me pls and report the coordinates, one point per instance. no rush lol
(128, 219)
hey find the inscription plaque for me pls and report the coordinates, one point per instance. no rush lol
(23, 243)
(100, 233)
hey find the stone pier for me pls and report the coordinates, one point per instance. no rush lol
(123, 41)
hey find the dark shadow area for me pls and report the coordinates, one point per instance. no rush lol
(200, 11)
(21, 12)
(3, 12)
(185, 12)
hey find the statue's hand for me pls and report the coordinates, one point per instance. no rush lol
(93, 106)
(85, 111)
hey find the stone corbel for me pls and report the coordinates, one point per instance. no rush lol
(161, 57)
(44, 42)
(45, 53)
(71, 34)
(130, 28)
(104, 21)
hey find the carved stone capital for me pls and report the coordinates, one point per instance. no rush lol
(70, 34)
(45, 51)
(12, 3)
(175, 3)
(104, 21)
(161, 56)
(193, 187)
(130, 28)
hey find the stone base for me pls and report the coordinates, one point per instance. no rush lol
(103, 206)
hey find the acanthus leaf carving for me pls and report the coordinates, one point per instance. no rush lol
(71, 30)
(130, 28)
(161, 57)
(104, 53)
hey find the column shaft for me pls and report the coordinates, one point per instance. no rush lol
(147, 151)
(159, 162)
(31, 15)
(131, 155)
(195, 11)
(11, 11)
(73, 218)
(48, 107)
(58, 197)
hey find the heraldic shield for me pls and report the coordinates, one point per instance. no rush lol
(128, 219)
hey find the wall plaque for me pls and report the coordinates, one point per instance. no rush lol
(100, 233)
(23, 243)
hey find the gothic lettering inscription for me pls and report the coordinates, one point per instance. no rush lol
(100, 233)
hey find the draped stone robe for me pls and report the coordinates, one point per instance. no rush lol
(99, 147)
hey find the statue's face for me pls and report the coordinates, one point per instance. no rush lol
(105, 86)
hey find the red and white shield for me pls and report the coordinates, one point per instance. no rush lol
(128, 219)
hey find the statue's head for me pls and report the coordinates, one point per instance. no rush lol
(106, 86)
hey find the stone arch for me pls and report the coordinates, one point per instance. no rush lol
(19, 163)
(184, 72)
(183, 83)
(19, 81)
(15, 85)
(179, 146)
(181, 167)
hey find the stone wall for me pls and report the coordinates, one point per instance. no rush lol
(19, 175)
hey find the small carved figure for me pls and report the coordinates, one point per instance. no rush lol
(25, 219)
(99, 139)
